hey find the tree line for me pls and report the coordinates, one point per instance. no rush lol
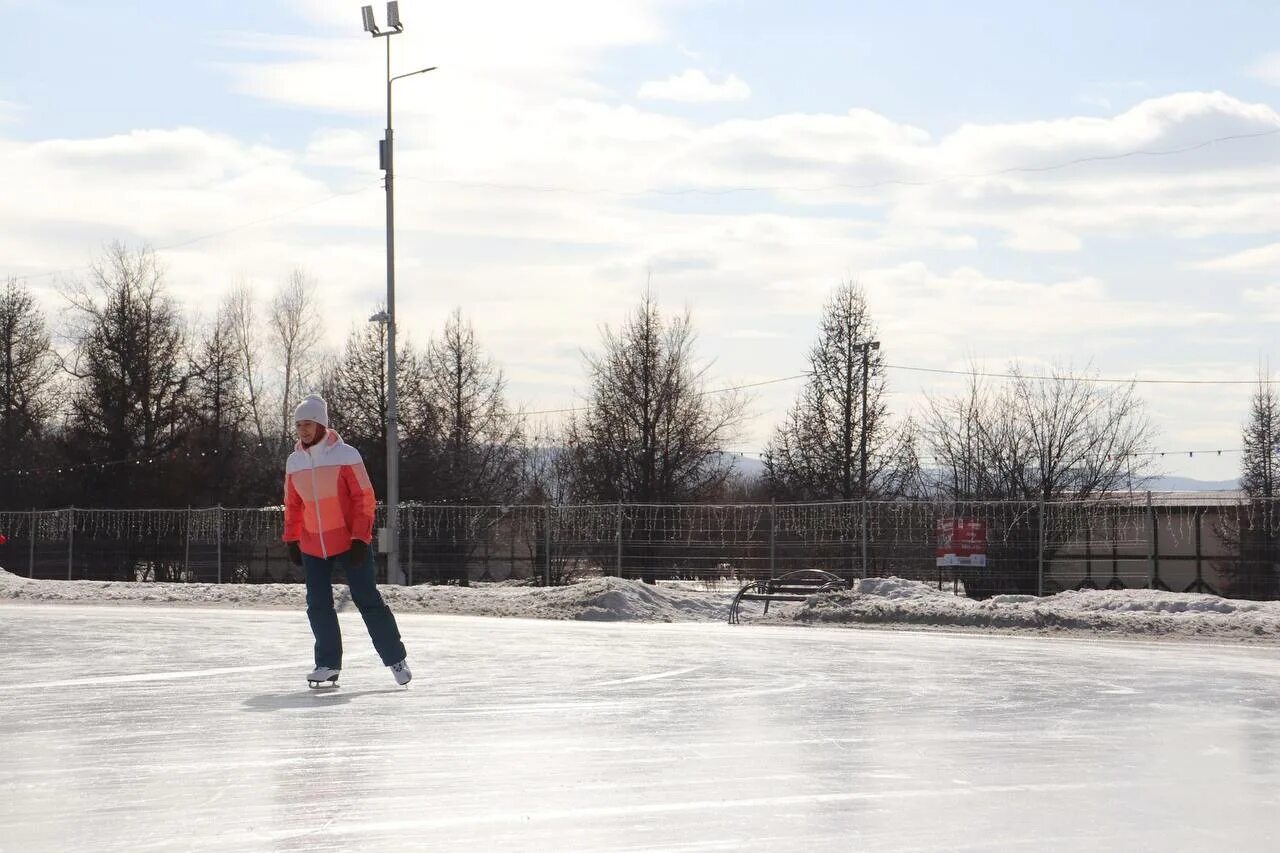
(142, 406)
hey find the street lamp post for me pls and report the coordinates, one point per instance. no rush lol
(864, 348)
(392, 541)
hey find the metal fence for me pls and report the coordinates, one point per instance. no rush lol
(1222, 546)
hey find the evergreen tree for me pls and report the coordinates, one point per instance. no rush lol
(816, 454)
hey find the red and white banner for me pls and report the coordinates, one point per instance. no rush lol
(962, 542)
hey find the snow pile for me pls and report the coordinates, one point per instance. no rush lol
(598, 599)
(607, 599)
(887, 602)
(1139, 612)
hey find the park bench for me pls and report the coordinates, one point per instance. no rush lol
(793, 586)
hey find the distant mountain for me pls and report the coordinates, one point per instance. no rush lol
(751, 468)
(748, 466)
(1187, 484)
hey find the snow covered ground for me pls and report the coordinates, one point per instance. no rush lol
(884, 602)
(182, 728)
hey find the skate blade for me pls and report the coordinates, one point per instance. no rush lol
(323, 685)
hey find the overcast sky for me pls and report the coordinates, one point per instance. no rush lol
(744, 157)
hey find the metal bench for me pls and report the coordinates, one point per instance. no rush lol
(793, 586)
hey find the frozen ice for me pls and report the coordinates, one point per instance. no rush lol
(164, 727)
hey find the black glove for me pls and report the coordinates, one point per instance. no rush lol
(359, 550)
(295, 553)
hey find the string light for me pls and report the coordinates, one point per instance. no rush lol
(172, 456)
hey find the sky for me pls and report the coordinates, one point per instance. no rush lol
(1088, 186)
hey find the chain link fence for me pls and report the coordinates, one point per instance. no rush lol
(1224, 546)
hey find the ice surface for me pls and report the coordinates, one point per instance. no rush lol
(186, 728)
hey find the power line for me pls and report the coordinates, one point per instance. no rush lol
(699, 394)
(1098, 379)
(976, 373)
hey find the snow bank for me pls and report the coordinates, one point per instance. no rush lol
(1136, 612)
(886, 602)
(604, 599)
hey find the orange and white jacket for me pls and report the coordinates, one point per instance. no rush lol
(328, 499)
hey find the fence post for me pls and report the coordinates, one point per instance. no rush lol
(773, 537)
(186, 554)
(1040, 552)
(617, 572)
(1199, 517)
(546, 557)
(1151, 544)
(219, 543)
(864, 536)
(71, 538)
(409, 570)
(31, 556)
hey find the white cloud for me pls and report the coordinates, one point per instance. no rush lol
(1261, 257)
(693, 86)
(1040, 238)
(514, 200)
(1269, 295)
(1266, 298)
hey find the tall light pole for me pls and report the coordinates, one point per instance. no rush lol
(864, 348)
(394, 575)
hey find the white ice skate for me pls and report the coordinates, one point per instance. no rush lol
(322, 676)
(401, 672)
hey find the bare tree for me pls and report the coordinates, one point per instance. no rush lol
(131, 371)
(355, 385)
(28, 369)
(1034, 439)
(652, 431)
(29, 387)
(1065, 436)
(294, 322)
(546, 473)
(815, 453)
(241, 312)
(220, 411)
(482, 437)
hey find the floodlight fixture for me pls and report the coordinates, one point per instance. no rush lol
(370, 25)
(393, 16)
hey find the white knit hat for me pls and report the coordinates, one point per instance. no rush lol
(313, 408)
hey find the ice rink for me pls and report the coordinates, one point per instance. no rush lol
(151, 728)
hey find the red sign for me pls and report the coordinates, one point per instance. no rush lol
(961, 542)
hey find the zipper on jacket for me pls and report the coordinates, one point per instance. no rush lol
(315, 500)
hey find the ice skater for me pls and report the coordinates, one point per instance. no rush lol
(328, 522)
